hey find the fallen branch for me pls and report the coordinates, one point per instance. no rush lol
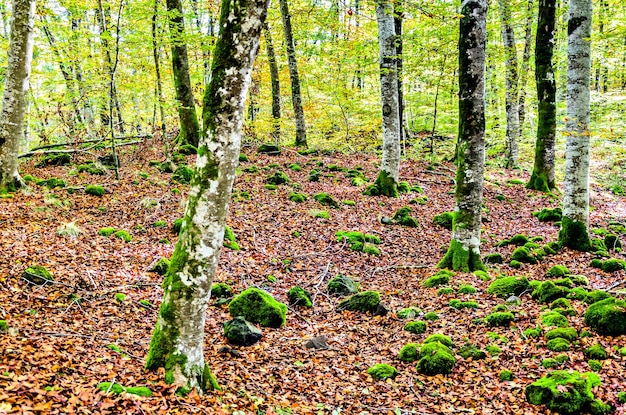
(73, 150)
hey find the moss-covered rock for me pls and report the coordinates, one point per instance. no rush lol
(123, 235)
(567, 333)
(444, 220)
(468, 351)
(94, 190)
(416, 327)
(37, 274)
(565, 392)
(326, 200)
(554, 319)
(532, 332)
(221, 291)
(500, 318)
(297, 197)
(241, 332)
(548, 291)
(299, 296)
(557, 271)
(506, 375)
(493, 258)
(445, 291)
(277, 178)
(160, 267)
(442, 277)
(182, 174)
(466, 289)
(314, 176)
(560, 303)
(607, 317)
(508, 286)
(523, 255)
(612, 242)
(106, 231)
(431, 316)
(270, 149)
(409, 352)
(594, 296)
(595, 351)
(440, 338)
(404, 218)
(549, 214)
(366, 301)
(613, 264)
(381, 371)
(117, 389)
(408, 313)
(435, 358)
(341, 285)
(258, 306)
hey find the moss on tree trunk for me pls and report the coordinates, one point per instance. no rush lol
(574, 235)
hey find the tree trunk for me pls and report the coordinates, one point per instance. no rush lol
(296, 95)
(542, 178)
(19, 62)
(159, 88)
(575, 225)
(189, 127)
(387, 181)
(523, 77)
(177, 340)
(397, 22)
(464, 251)
(271, 58)
(512, 109)
(206, 44)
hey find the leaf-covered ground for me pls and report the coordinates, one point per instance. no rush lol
(61, 336)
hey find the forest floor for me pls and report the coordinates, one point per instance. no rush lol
(62, 335)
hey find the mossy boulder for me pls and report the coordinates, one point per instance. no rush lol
(565, 392)
(554, 319)
(444, 220)
(381, 371)
(595, 351)
(548, 291)
(440, 338)
(299, 296)
(500, 318)
(37, 274)
(435, 358)
(612, 242)
(277, 178)
(106, 231)
(123, 235)
(549, 214)
(469, 350)
(493, 258)
(523, 255)
(506, 375)
(325, 199)
(613, 264)
(416, 327)
(241, 332)
(409, 352)
(182, 174)
(507, 286)
(567, 333)
(366, 301)
(297, 197)
(258, 306)
(404, 218)
(270, 149)
(594, 296)
(341, 285)
(408, 312)
(557, 271)
(94, 190)
(221, 291)
(607, 317)
(442, 277)
(161, 266)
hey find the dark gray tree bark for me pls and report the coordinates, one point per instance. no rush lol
(525, 65)
(178, 336)
(464, 251)
(512, 108)
(271, 58)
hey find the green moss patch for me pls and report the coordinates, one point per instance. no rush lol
(549, 214)
(277, 178)
(416, 327)
(325, 199)
(182, 174)
(548, 291)
(494, 258)
(341, 285)
(594, 296)
(523, 255)
(554, 319)
(230, 240)
(470, 351)
(123, 235)
(500, 318)
(37, 274)
(613, 264)
(299, 296)
(595, 351)
(297, 197)
(435, 358)
(117, 389)
(94, 190)
(381, 371)
(508, 286)
(566, 333)
(442, 277)
(518, 240)
(409, 352)
(366, 301)
(107, 231)
(607, 317)
(404, 218)
(565, 392)
(408, 313)
(444, 220)
(557, 271)
(219, 290)
(258, 306)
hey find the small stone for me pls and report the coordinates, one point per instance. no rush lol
(241, 332)
(514, 300)
(317, 343)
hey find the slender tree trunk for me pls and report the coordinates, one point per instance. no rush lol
(512, 109)
(159, 88)
(542, 178)
(177, 340)
(387, 181)
(206, 51)
(271, 58)
(189, 126)
(84, 99)
(296, 95)
(524, 68)
(575, 225)
(397, 22)
(464, 251)
(19, 63)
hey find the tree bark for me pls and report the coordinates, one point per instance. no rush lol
(575, 225)
(19, 63)
(189, 126)
(512, 108)
(159, 88)
(387, 181)
(271, 58)
(464, 251)
(296, 95)
(524, 67)
(542, 178)
(177, 340)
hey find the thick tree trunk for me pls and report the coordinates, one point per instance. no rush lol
(387, 181)
(464, 251)
(271, 59)
(523, 76)
(177, 340)
(296, 95)
(542, 178)
(512, 108)
(20, 56)
(189, 127)
(575, 225)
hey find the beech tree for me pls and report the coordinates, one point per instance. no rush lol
(575, 224)
(542, 178)
(17, 75)
(387, 181)
(189, 128)
(464, 251)
(177, 340)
